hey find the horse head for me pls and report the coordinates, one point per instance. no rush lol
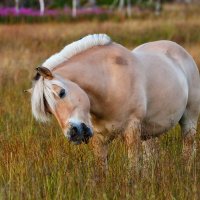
(65, 100)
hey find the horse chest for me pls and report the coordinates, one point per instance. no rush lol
(108, 129)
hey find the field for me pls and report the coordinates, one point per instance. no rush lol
(37, 162)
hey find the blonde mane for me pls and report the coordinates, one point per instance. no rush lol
(42, 88)
(76, 47)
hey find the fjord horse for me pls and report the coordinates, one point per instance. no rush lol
(98, 89)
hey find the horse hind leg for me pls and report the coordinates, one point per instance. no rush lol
(188, 125)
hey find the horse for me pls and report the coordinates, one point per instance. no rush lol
(99, 90)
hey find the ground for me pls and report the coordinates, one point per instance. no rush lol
(37, 162)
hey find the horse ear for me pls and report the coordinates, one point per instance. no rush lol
(45, 72)
(29, 90)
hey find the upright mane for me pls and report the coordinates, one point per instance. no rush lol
(42, 92)
(75, 48)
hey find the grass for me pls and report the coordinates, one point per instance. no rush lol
(37, 162)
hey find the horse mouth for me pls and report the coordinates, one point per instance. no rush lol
(80, 139)
(80, 142)
(86, 140)
(76, 142)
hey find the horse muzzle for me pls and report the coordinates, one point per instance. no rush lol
(78, 133)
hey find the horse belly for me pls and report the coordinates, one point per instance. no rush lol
(153, 128)
(166, 105)
(161, 123)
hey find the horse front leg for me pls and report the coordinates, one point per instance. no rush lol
(150, 156)
(133, 142)
(100, 149)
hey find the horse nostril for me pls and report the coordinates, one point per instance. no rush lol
(73, 131)
(86, 130)
(84, 127)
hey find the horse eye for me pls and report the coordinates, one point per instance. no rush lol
(62, 93)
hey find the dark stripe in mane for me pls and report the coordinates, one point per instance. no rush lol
(46, 105)
(36, 77)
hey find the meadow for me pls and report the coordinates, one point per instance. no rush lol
(37, 162)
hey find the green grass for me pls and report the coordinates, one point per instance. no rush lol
(37, 162)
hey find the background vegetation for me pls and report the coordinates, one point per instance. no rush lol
(12, 11)
(37, 162)
(62, 3)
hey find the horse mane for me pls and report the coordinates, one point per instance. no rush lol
(42, 92)
(75, 48)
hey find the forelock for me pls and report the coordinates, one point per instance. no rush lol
(43, 95)
(42, 90)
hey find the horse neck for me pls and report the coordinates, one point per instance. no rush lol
(88, 74)
(94, 71)
(84, 70)
(92, 68)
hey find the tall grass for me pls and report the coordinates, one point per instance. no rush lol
(37, 162)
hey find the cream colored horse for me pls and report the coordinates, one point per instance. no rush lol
(98, 89)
